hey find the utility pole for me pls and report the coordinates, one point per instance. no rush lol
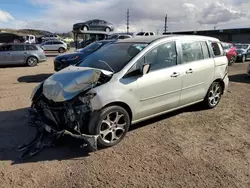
(166, 23)
(127, 21)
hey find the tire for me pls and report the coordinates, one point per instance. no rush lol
(61, 50)
(243, 59)
(32, 61)
(85, 28)
(213, 96)
(107, 29)
(108, 128)
(232, 60)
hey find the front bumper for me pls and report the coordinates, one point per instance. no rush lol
(53, 134)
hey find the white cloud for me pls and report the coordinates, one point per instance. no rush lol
(60, 15)
(5, 16)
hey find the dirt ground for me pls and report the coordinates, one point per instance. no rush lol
(188, 148)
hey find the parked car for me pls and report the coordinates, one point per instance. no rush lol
(94, 25)
(127, 82)
(62, 61)
(50, 37)
(54, 45)
(243, 52)
(119, 36)
(145, 34)
(18, 53)
(10, 38)
(230, 52)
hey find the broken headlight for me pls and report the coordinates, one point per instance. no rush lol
(87, 97)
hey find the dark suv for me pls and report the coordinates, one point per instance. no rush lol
(94, 25)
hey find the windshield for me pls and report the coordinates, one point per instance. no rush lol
(238, 46)
(92, 47)
(113, 57)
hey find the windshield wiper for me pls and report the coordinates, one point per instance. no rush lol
(107, 65)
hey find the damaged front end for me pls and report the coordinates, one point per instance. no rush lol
(61, 107)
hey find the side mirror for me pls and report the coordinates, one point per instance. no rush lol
(224, 53)
(145, 68)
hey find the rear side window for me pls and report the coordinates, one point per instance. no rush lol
(5, 48)
(217, 49)
(147, 34)
(17, 47)
(31, 47)
(205, 50)
(191, 51)
(151, 33)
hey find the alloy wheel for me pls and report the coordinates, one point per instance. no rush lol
(113, 127)
(214, 95)
(32, 61)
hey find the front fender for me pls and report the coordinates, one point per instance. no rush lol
(108, 95)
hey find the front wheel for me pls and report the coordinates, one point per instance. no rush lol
(111, 124)
(32, 61)
(213, 96)
(107, 29)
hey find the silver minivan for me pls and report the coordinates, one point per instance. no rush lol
(130, 81)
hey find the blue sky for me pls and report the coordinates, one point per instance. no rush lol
(60, 15)
(21, 9)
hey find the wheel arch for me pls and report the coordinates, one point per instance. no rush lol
(32, 55)
(221, 82)
(123, 105)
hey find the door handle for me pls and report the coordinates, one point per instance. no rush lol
(25, 52)
(189, 71)
(175, 74)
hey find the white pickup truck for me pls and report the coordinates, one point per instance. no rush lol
(31, 39)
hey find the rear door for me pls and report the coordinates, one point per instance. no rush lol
(197, 69)
(18, 54)
(2, 54)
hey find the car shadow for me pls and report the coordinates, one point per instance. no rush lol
(240, 78)
(15, 131)
(33, 78)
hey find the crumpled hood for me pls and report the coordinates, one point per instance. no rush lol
(69, 82)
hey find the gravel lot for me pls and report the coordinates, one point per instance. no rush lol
(188, 148)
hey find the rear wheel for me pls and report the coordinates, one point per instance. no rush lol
(232, 60)
(243, 59)
(61, 50)
(111, 124)
(213, 96)
(85, 28)
(32, 61)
